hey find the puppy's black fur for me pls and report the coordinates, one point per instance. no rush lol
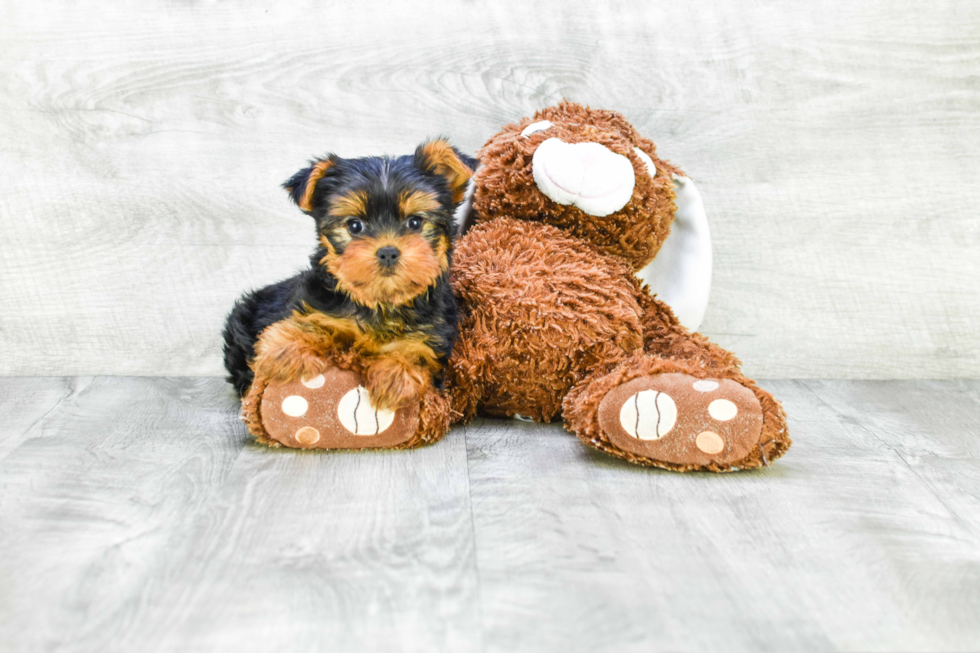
(432, 313)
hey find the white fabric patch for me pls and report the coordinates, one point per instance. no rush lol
(722, 410)
(295, 406)
(314, 383)
(536, 127)
(709, 442)
(647, 161)
(307, 435)
(705, 386)
(648, 415)
(359, 416)
(680, 275)
(462, 215)
(589, 176)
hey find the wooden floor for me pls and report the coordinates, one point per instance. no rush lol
(136, 515)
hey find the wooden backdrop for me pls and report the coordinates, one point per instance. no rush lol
(142, 145)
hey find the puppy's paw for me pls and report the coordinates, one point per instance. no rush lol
(392, 384)
(284, 353)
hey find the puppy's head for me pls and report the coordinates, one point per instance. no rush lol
(385, 224)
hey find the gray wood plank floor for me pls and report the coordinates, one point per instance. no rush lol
(136, 515)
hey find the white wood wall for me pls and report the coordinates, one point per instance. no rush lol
(142, 145)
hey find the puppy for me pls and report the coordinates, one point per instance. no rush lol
(377, 284)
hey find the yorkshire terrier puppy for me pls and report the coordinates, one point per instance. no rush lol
(378, 282)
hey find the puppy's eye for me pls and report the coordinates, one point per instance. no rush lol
(354, 227)
(536, 127)
(414, 223)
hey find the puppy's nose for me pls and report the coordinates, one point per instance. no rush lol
(388, 256)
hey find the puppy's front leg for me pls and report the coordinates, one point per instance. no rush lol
(301, 346)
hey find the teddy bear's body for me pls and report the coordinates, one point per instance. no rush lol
(555, 322)
(537, 317)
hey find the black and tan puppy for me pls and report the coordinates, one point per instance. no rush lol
(377, 288)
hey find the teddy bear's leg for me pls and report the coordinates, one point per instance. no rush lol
(683, 404)
(311, 393)
(333, 410)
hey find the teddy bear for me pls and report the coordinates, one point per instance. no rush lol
(567, 213)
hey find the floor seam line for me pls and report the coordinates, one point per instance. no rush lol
(898, 453)
(476, 552)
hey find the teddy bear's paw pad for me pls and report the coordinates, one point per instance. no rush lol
(333, 411)
(680, 419)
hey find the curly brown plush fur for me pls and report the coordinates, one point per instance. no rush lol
(540, 310)
(552, 318)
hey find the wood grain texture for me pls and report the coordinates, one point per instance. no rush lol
(834, 144)
(137, 516)
(866, 536)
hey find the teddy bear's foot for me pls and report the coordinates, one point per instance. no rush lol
(334, 411)
(681, 420)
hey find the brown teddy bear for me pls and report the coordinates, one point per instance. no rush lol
(567, 207)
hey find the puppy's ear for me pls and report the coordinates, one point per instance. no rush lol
(301, 185)
(443, 159)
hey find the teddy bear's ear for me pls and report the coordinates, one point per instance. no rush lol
(443, 159)
(301, 185)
